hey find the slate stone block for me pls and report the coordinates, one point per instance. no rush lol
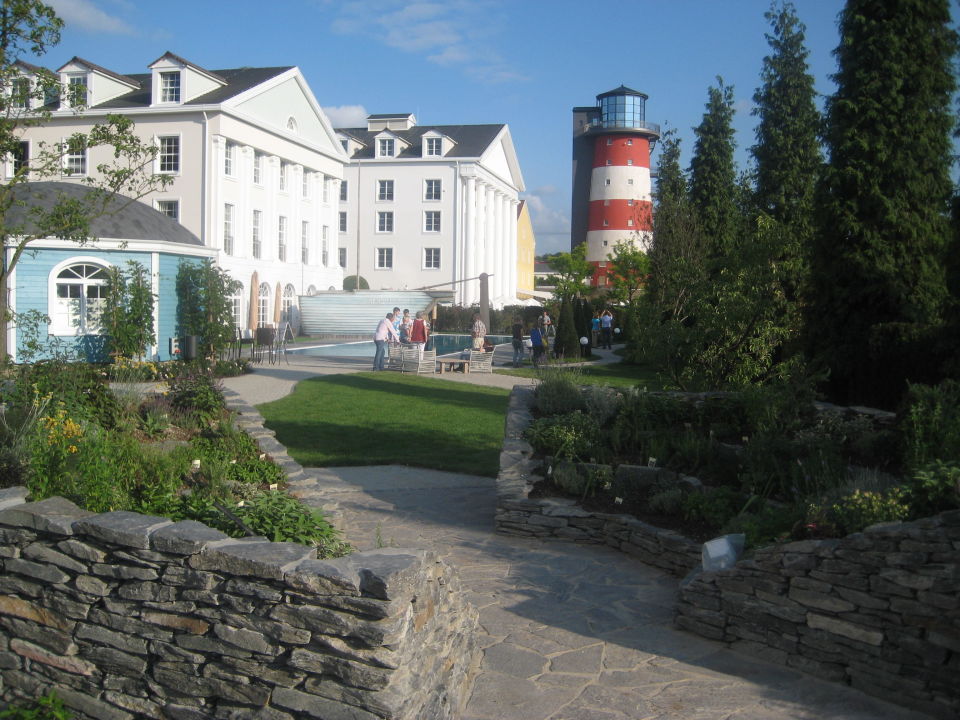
(54, 515)
(122, 527)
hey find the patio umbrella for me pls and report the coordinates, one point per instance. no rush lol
(277, 305)
(254, 297)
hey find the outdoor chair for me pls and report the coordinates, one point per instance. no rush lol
(414, 362)
(481, 361)
(394, 357)
(283, 337)
(263, 341)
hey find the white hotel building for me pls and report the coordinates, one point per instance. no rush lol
(255, 166)
(423, 206)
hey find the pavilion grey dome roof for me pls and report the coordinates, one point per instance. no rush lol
(124, 219)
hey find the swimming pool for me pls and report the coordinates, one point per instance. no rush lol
(443, 343)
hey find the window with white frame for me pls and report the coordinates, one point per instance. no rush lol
(282, 238)
(305, 183)
(236, 308)
(305, 242)
(629, 222)
(629, 161)
(325, 245)
(431, 258)
(229, 151)
(170, 208)
(431, 221)
(20, 93)
(21, 157)
(79, 299)
(385, 147)
(263, 304)
(289, 300)
(384, 258)
(629, 181)
(384, 222)
(435, 146)
(255, 232)
(343, 191)
(384, 190)
(606, 181)
(78, 89)
(228, 228)
(342, 256)
(169, 154)
(75, 158)
(343, 221)
(283, 175)
(630, 202)
(257, 168)
(292, 124)
(170, 87)
(432, 189)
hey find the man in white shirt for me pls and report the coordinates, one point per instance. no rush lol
(385, 333)
(478, 332)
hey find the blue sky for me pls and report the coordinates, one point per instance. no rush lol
(526, 63)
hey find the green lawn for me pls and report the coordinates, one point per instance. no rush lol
(619, 374)
(386, 418)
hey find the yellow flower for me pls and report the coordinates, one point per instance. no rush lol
(72, 448)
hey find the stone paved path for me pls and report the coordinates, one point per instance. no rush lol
(571, 632)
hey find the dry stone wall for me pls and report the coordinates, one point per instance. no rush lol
(561, 518)
(130, 616)
(879, 610)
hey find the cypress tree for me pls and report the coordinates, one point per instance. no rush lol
(567, 341)
(787, 153)
(713, 173)
(877, 266)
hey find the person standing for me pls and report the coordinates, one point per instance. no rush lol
(385, 333)
(536, 343)
(478, 332)
(517, 342)
(606, 329)
(595, 329)
(406, 324)
(396, 322)
(419, 333)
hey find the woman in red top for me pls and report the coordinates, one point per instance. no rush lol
(420, 333)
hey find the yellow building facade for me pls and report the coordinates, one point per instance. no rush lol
(526, 250)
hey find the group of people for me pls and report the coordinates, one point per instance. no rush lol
(400, 328)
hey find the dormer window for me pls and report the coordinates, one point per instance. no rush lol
(170, 87)
(20, 93)
(435, 146)
(78, 89)
(386, 147)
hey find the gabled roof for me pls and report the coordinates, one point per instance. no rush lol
(183, 61)
(622, 90)
(471, 140)
(238, 80)
(126, 79)
(34, 69)
(126, 219)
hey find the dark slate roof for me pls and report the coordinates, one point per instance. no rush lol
(622, 90)
(238, 80)
(125, 219)
(389, 116)
(93, 66)
(471, 140)
(184, 61)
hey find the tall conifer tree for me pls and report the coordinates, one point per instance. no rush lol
(878, 260)
(713, 173)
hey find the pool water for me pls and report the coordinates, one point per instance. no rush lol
(444, 344)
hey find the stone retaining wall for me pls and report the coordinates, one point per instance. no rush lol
(519, 514)
(879, 610)
(130, 616)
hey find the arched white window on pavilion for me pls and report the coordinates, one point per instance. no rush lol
(289, 300)
(77, 298)
(236, 306)
(263, 305)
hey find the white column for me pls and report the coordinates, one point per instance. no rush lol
(490, 232)
(214, 214)
(498, 250)
(243, 213)
(505, 289)
(469, 239)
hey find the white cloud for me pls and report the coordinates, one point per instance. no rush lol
(83, 14)
(347, 116)
(455, 33)
(550, 226)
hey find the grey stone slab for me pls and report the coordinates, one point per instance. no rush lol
(256, 558)
(513, 660)
(583, 661)
(121, 527)
(185, 537)
(56, 515)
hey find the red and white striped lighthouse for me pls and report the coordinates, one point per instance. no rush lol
(612, 202)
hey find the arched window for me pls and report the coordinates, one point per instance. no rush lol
(236, 303)
(292, 124)
(78, 298)
(312, 290)
(263, 304)
(289, 300)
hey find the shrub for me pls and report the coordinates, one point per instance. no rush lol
(46, 707)
(570, 436)
(602, 403)
(930, 425)
(558, 392)
(769, 524)
(934, 488)
(861, 509)
(237, 454)
(80, 387)
(713, 508)
(579, 479)
(198, 394)
(642, 414)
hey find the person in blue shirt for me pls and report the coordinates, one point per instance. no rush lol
(536, 341)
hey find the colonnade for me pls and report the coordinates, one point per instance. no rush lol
(489, 240)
